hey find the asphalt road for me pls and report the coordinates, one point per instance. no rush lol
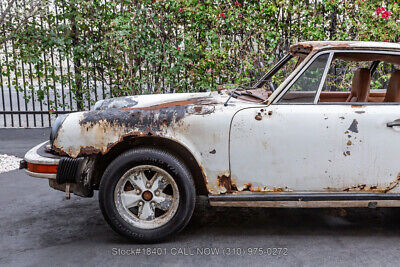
(38, 226)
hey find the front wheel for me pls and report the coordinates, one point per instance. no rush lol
(147, 195)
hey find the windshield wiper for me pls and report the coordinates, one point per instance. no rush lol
(231, 94)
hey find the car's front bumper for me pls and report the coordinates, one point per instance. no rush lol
(64, 173)
(40, 163)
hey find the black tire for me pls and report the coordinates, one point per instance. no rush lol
(163, 160)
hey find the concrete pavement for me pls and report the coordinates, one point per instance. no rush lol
(38, 226)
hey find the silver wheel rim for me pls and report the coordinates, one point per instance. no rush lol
(146, 197)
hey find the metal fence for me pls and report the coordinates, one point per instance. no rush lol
(33, 95)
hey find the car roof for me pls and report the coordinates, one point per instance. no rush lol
(314, 46)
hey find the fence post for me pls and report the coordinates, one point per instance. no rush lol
(76, 61)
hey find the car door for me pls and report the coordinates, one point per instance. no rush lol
(298, 145)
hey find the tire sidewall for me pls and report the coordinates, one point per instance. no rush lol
(161, 159)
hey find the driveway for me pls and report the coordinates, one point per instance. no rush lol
(40, 227)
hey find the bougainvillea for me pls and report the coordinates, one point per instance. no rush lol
(150, 46)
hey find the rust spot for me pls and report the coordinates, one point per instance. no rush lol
(270, 112)
(356, 106)
(213, 151)
(346, 153)
(226, 182)
(374, 188)
(198, 109)
(258, 117)
(349, 143)
(354, 126)
(360, 111)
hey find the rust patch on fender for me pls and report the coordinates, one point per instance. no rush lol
(258, 117)
(225, 181)
(373, 188)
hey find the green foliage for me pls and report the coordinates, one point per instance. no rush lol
(136, 47)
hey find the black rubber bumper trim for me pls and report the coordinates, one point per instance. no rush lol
(69, 170)
(304, 197)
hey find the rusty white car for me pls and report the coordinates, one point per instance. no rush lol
(320, 129)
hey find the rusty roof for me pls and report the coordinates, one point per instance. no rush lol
(307, 47)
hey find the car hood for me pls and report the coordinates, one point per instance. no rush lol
(146, 101)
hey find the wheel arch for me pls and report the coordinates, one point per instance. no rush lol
(177, 149)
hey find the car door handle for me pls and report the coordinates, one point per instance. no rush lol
(393, 123)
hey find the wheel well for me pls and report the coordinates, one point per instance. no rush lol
(102, 161)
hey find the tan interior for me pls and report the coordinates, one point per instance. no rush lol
(393, 90)
(360, 86)
(343, 96)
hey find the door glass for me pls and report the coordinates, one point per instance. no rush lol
(304, 89)
(360, 77)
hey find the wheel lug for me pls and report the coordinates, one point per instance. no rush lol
(140, 203)
(148, 184)
(157, 193)
(138, 191)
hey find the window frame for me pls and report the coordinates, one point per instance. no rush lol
(323, 79)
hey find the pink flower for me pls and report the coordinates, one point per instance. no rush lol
(181, 9)
(238, 4)
(209, 70)
(222, 15)
(386, 40)
(177, 48)
(386, 14)
(240, 15)
(378, 10)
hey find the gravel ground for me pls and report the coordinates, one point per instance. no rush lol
(8, 163)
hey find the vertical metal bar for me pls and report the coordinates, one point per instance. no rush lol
(9, 83)
(102, 81)
(60, 59)
(25, 98)
(53, 67)
(95, 83)
(88, 84)
(33, 95)
(67, 59)
(109, 75)
(46, 79)
(16, 82)
(321, 84)
(2, 97)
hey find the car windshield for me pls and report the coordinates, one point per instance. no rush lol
(268, 83)
(275, 76)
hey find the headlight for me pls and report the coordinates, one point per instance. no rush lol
(56, 126)
(98, 104)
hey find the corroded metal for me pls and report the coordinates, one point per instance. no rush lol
(250, 145)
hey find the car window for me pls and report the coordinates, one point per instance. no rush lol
(303, 90)
(360, 77)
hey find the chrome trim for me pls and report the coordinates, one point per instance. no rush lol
(33, 157)
(298, 74)
(287, 83)
(309, 204)
(323, 78)
(41, 175)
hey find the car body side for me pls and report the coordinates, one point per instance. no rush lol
(199, 123)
